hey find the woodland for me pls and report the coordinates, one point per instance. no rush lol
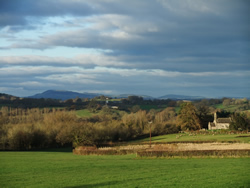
(33, 124)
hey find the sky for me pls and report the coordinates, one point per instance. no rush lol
(152, 47)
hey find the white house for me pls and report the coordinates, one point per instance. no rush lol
(219, 123)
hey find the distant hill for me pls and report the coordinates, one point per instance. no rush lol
(4, 96)
(63, 95)
(180, 97)
(145, 97)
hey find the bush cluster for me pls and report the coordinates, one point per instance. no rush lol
(102, 152)
(22, 129)
(25, 129)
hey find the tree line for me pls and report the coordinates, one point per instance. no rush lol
(125, 104)
(36, 128)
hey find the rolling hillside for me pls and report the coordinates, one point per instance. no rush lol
(63, 95)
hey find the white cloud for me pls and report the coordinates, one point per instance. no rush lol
(34, 84)
(79, 60)
(71, 79)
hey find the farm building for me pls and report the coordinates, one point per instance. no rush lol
(219, 123)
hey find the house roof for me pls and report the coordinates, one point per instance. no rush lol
(224, 120)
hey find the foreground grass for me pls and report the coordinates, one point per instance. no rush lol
(63, 169)
(189, 137)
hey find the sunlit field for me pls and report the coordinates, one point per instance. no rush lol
(83, 113)
(207, 136)
(63, 169)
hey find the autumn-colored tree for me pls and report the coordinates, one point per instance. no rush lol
(187, 118)
(226, 102)
(136, 122)
(165, 115)
(135, 108)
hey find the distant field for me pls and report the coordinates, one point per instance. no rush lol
(63, 169)
(230, 108)
(87, 113)
(83, 113)
(213, 137)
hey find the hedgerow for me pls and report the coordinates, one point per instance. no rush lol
(195, 153)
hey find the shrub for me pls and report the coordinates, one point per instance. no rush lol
(171, 129)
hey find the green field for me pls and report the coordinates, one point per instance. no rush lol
(193, 137)
(84, 113)
(230, 108)
(63, 169)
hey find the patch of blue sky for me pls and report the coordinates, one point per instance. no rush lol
(67, 52)
(36, 30)
(64, 23)
(47, 26)
(50, 25)
(3, 43)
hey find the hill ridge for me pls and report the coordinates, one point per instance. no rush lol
(65, 94)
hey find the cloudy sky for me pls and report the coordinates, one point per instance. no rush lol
(151, 47)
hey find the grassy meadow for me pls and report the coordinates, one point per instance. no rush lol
(84, 113)
(193, 137)
(63, 169)
(228, 108)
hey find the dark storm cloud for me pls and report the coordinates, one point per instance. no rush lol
(13, 12)
(160, 29)
(163, 46)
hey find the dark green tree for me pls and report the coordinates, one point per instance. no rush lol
(187, 118)
(135, 99)
(203, 114)
(239, 122)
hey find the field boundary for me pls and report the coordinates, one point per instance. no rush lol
(170, 150)
(195, 153)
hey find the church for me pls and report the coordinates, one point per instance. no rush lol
(219, 123)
